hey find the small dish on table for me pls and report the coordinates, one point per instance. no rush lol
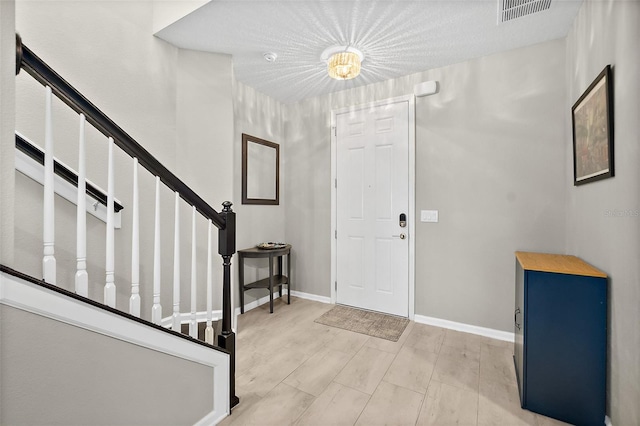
(271, 245)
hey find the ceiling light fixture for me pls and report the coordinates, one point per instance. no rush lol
(343, 62)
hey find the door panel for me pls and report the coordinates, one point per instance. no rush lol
(355, 183)
(372, 192)
(355, 275)
(383, 186)
(384, 265)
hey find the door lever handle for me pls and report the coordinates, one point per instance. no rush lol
(401, 236)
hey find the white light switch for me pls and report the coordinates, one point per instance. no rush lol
(428, 215)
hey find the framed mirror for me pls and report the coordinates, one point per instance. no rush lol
(260, 171)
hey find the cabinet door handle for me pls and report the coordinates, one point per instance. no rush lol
(515, 318)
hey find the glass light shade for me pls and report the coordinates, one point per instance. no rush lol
(344, 65)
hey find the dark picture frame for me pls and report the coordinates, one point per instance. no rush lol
(260, 171)
(592, 123)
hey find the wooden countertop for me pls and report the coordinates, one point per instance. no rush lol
(558, 263)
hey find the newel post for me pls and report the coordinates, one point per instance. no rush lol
(227, 338)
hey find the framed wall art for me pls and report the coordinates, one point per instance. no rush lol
(592, 119)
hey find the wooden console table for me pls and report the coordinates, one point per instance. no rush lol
(274, 280)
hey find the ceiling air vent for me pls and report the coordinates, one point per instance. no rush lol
(509, 10)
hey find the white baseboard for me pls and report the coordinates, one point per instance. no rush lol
(309, 296)
(467, 328)
(211, 419)
(261, 301)
(607, 421)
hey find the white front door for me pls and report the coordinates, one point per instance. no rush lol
(372, 192)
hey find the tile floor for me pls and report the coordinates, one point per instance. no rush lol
(292, 371)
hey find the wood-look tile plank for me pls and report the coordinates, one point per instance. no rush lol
(391, 405)
(412, 369)
(496, 364)
(448, 405)
(263, 376)
(318, 371)
(457, 371)
(281, 406)
(346, 341)
(366, 369)
(338, 405)
(426, 337)
(499, 404)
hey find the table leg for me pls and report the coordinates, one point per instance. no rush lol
(280, 273)
(289, 278)
(270, 284)
(241, 281)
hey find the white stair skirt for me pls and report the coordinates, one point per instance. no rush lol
(39, 300)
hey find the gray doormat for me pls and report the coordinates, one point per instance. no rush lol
(370, 323)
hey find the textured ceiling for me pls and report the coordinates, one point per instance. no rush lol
(397, 37)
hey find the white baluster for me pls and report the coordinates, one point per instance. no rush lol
(193, 325)
(48, 230)
(82, 278)
(110, 287)
(134, 300)
(208, 332)
(176, 268)
(156, 310)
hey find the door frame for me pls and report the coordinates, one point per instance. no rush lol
(410, 99)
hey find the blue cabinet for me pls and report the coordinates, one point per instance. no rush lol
(560, 349)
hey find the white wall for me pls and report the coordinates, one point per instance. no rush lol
(607, 32)
(489, 157)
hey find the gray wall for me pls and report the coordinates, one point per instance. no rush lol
(57, 374)
(602, 217)
(204, 161)
(261, 116)
(204, 145)
(7, 144)
(7, 127)
(489, 157)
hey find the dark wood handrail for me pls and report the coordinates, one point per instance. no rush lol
(35, 153)
(45, 75)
